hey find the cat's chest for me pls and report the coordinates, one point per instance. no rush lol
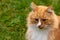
(39, 35)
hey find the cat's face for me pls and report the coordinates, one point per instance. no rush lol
(41, 17)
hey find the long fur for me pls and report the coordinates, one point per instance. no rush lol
(34, 33)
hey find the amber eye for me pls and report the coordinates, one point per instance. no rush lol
(44, 19)
(36, 20)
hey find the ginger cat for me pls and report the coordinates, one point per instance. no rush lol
(43, 23)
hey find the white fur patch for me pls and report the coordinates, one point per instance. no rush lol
(39, 23)
(37, 34)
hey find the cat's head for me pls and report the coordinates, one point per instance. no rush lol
(41, 16)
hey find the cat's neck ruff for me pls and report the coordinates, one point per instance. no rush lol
(38, 34)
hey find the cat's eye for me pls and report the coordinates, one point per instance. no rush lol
(36, 19)
(44, 19)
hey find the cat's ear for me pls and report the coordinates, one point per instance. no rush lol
(33, 6)
(50, 9)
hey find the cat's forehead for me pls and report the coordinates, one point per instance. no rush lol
(40, 12)
(42, 9)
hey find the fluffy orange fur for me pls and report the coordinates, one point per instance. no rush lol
(47, 13)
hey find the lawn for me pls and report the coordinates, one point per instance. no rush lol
(13, 14)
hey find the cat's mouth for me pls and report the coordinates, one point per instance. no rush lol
(40, 27)
(44, 27)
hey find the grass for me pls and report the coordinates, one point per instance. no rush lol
(13, 15)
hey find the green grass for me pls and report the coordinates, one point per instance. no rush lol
(13, 15)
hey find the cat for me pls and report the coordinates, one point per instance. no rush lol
(42, 23)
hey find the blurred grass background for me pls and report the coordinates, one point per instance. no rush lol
(13, 15)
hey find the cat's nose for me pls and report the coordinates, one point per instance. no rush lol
(39, 26)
